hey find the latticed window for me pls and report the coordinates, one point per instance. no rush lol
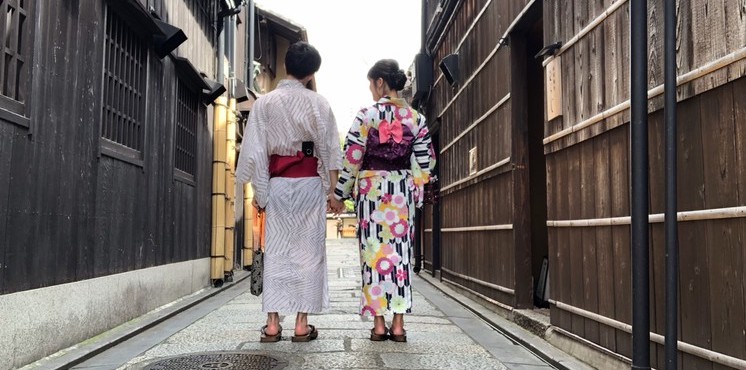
(124, 84)
(15, 29)
(186, 130)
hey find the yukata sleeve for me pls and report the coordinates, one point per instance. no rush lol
(333, 153)
(253, 161)
(422, 160)
(354, 151)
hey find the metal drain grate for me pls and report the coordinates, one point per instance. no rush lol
(219, 360)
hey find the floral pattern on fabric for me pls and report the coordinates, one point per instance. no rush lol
(386, 201)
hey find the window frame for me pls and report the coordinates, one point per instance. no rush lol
(113, 148)
(12, 110)
(183, 87)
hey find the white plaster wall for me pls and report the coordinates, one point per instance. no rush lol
(40, 322)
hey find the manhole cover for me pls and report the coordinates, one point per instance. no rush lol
(219, 360)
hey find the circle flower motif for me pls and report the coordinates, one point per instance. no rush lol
(405, 112)
(399, 229)
(399, 304)
(368, 311)
(376, 291)
(365, 186)
(389, 287)
(354, 153)
(399, 200)
(384, 266)
(391, 216)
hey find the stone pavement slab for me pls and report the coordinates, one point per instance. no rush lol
(441, 333)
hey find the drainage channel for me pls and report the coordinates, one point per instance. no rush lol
(515, 340)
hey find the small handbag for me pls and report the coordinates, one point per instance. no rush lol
(257, 273)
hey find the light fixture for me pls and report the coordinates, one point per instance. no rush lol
(216, 89)
(550, 49)
(171, 38)
(449, 66)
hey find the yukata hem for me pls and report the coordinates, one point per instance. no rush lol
(386, 312)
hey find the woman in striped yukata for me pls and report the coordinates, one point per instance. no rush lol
(388, 158)
(291, 156)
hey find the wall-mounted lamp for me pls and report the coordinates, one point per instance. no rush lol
(550, 49)
(216, 89)
(171, 38)
(229, 12)
(449, 66)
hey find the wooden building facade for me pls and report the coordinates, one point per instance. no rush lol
(534, 162)
(105, 164)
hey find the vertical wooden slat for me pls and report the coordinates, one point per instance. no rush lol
(739, 110)
(619, 169)
(564, 280)
(575, 243)
(694, 273)
(604, 254)
(657, 239)
(588, 248)
(724, 248)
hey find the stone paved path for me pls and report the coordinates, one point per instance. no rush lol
(441, 333)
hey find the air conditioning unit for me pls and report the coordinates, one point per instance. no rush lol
(422, 78)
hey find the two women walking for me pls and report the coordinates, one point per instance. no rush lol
(291, 157)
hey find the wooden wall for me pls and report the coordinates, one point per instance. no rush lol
(70, 212)
(587, 158)
(477, 209)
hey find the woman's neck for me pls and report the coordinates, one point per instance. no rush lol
(392, 94)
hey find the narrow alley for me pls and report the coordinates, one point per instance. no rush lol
(442, 334)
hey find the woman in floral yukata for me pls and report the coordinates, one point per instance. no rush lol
(388, 160)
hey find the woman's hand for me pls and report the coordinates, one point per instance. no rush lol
(336, 206)
(255, 204)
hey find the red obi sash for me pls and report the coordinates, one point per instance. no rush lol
(293, 166)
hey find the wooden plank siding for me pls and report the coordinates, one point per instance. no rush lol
(587, 159)
(478, 240)
(69, 211)
(586, 153)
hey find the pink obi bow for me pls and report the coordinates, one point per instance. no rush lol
(388, 131)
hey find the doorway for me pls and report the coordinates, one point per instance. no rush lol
(530, 192)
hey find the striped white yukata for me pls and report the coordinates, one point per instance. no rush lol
(295, 273)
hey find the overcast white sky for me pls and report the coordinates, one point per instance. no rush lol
(351, 35)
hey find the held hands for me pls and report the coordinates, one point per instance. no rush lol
(335, 206)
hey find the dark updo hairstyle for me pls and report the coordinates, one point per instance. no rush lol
(388, 70)
(302, 60)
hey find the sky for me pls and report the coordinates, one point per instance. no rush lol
(351, 35)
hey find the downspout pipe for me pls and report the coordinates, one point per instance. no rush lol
(250, 45)
(671, 223)
(231, 36)
(221, 50)
(419, 237)
(640, 207)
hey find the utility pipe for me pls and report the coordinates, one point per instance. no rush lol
(640, 207)
(671, 223)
